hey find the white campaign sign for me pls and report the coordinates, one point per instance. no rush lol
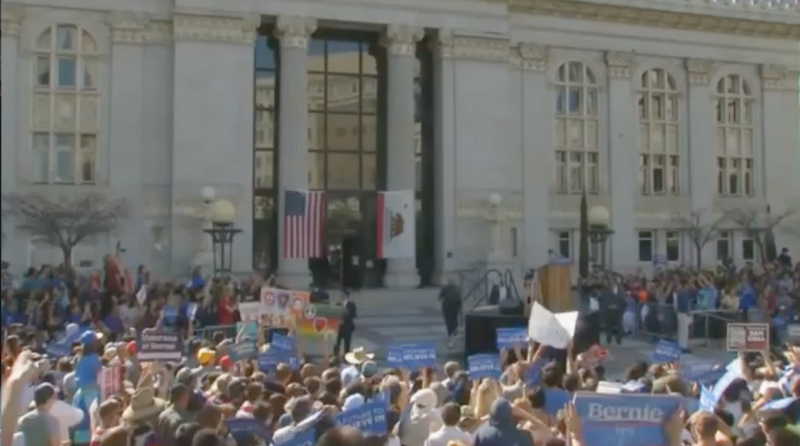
(555, 330)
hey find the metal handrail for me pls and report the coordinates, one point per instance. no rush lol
(480, 291)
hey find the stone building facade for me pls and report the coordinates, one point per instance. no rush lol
(659, 110)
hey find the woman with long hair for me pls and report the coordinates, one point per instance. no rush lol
(87, 370)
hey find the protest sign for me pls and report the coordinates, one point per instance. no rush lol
(625, 419)
(793, 332)
(609, 387)
(268, 360)
(369, 418)
(244, 430)
(300, 435)
(63, 347)
(555, 330)
(248, 330)
(170, 314)
(555, 399)
(666, 351)
(507, 338)
(280, 308)
(159, 345)
(748, 337)
(703, 373)
(250, 312)
(533, 373)
(483, 366)
(282, 342)
(411, 356)
(707, 400)
(244, 350)
(319, 320)
(779, 404)
(109, 381)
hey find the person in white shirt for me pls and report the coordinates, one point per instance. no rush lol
(68, 417)
(451, 413)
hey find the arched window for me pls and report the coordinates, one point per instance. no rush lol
(65, 106)
(734, 115)
(658, 134)
(577, 155)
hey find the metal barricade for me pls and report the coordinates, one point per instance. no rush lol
(655, 320)
(207, 332)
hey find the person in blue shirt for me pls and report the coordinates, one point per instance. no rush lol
(683, 307)
(87, 371)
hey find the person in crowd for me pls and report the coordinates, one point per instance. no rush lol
(347, 324)
(38, 426)
(450, 299)
(451, 414)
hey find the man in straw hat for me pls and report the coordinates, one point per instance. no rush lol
(355, 358)
(144, 407)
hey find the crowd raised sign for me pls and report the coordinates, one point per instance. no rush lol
(159, 345)
(749, 337)
(625, 419)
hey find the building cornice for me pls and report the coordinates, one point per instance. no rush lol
(779, 78)
(760, 18)
(620, 64)
(530, 57)
(11, 22)
(215, 29)
(481, 48)
(699, 71)
(294, 32)
(127, 28)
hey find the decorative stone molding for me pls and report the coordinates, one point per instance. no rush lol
(158, 32)
(294, 32)
(444, 44)
(215, 29)
(772, 19)
(529, 56)
(401, 40)
(477, 208)
(777, 77)
(620, 64)
(482, 49)
(699, 71)
(11, 22)
(127, 28)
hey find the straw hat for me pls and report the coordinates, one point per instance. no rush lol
(358, 356)
(144, 404)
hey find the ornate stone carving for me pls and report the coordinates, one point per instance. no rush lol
(776, 77)
(533, 57)
(481, 48)
(294, 32)
(11, 22)
(444, 44)
(699, 71)
(127, 28)
(158, 32)
(401, 40)
(217, 29)
(620, 64)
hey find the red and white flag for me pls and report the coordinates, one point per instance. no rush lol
(304, 212)
(396, 220)
(110, 382)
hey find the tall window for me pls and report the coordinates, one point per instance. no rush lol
(65, 104)
(577, 156)
(673, 246)
(748, 249)
(646, 246)
(565, 244)
(734, 115)
(342, 105)
(658, 134)
(264, 153)
(723, 246)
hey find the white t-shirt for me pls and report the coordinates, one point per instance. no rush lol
(67, 416)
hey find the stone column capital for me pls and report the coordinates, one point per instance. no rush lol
(444, 44)
(127, 28)
(533, 57)
(401, 40)
(294, 31)
(699, 71)
(776, 77)
(11, 22)
(620, 64)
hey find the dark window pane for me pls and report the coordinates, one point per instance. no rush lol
(265, 56)
(748, 250)
(723, 250)
(369, 63)
(342, 94)
(344, 57)
(673, 248)
(264, 169)
(316, 55)
(645, 246)
(66, 71)
(343, 171)
(368, 171)
(316, 91)
(340, 132)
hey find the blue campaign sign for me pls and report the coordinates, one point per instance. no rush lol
(508, 337)
(707, 400)
(723, 384)
(369, 418)
(300, 437)
(703, 373)
(420, 355)
(555, 399)
(63, 347)
(244, 350)
(666, 351)
(533, 374)
(268, 361)
(483, 366)
(282, 342)
(691, 405)
(780, 404)
(170, 314)
(625, 419)
(243, 430)
(247, 329)
(394, 356)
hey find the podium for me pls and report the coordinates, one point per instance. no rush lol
(556, 287)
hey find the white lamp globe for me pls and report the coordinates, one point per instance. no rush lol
(222, 211)
(599, 216)
(495, 199)
(208, 194)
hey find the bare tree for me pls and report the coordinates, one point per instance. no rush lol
(698, 230)
(65, 222)
(760, 226)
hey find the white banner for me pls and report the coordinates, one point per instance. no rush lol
(555, 330)
(396, 221)
(250, 311)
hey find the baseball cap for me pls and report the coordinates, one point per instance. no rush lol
(206, 356)
(89, 336)
(369, 369)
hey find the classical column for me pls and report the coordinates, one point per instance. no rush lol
(293, 34)
(444, 190)
(126, 121)
(781, 157)
(537, 150)
(622, 149)
(401, 43)
(702, 144)
(13, 246)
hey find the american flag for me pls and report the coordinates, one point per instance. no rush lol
(302, 225)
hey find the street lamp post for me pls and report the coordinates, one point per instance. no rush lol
(599, 233)
(221, 215)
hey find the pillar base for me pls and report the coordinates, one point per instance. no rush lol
(401, 279)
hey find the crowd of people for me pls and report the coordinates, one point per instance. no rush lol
(101, 390)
